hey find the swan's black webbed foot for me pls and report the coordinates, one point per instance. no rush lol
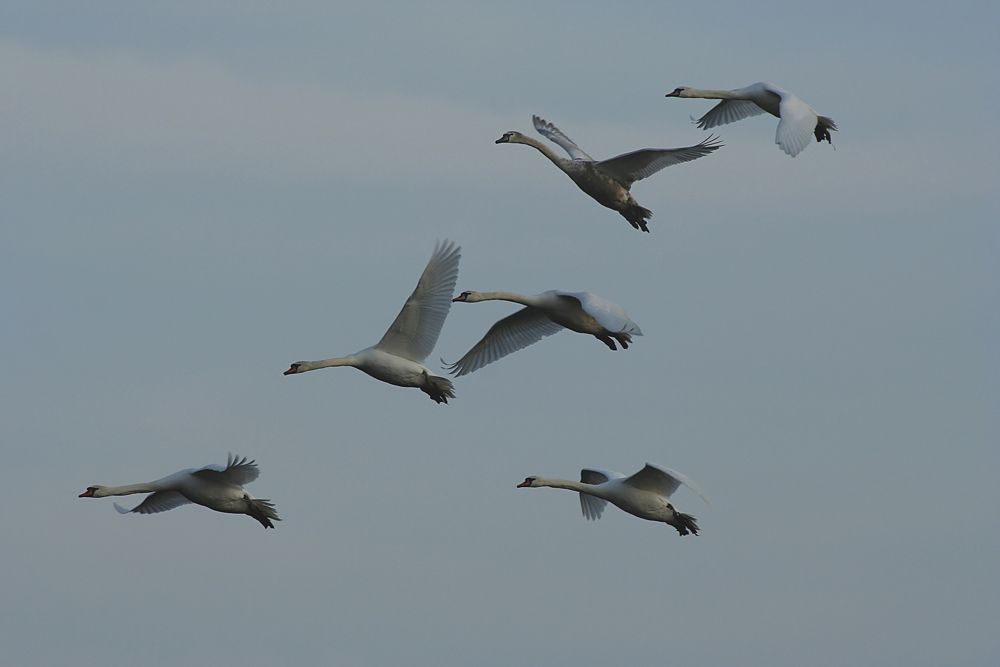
(607, 341)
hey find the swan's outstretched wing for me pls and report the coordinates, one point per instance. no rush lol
(238, 471)
(512, 333)
(729, 111)
(161, 501)
(592, 506)
(417, 327)
(631, 167)
(609, 315)
(798, 121)
(553, 134)
(662, 480)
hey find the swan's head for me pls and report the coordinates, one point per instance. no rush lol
(93, 492)
(468, 297)
(294, 369)
(510, 138)
(529, 482)
(680, 92)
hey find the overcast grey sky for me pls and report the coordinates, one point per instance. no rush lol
(196, 194)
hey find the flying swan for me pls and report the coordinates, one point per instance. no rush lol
(545, 314)
(215, 487)
(608, 181)
(646, 494)
(798, 120)
(398, 358)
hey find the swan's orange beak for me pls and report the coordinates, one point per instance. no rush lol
(524, 483)
(86, 494)
(291, 371)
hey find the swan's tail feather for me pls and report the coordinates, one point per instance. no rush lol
(122, 510)
(262, 510)
(684, 523)
(823, 127)
(440, 389)
(636, 215)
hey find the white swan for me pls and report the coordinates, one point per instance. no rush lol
(608, 181)
(798, 120)
(215, 487)
(545, 314)
(398, 357)
(646, 494)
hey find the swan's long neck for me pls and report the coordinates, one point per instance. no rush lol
(128, 489)
(558, 160)
(592, 489)
(711, 94)
(326, 363)
(523, 299)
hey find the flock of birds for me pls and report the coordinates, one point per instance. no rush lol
(398, 358)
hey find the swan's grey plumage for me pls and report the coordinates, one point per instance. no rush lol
(609, 181)
(216, 487)
(544, 314)
(398, 358)
(646, 494)
(798, 122)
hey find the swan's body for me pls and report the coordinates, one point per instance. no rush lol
(609, 181)
(398, 357)
(646, 494)
(798, 120)
(545, 314)
(216, 487)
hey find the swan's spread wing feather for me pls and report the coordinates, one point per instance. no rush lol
(592, 506)
(729, 111)
(662, 480)
(238, 471)
(609, 315)
(417, 327)
(161, 501)
(512, 333)
(795, 129)
(553, 134)
(631, 167)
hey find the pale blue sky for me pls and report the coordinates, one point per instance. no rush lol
(194, 196)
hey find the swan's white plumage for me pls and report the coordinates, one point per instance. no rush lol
(663, 481)
(415, 330)
(161, 501)
(592, 506)
(219, 488)
(544, 314)
(798, 122)
(398, 357)
(646, 494)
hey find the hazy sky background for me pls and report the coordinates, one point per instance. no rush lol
(196, 194)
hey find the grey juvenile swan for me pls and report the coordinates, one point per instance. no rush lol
(798, 120)
(608, 181)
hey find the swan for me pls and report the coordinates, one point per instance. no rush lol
(398, 357)
(544, 315)
(608, 181)
(798, 120)
(215, 487)
(646, 494)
